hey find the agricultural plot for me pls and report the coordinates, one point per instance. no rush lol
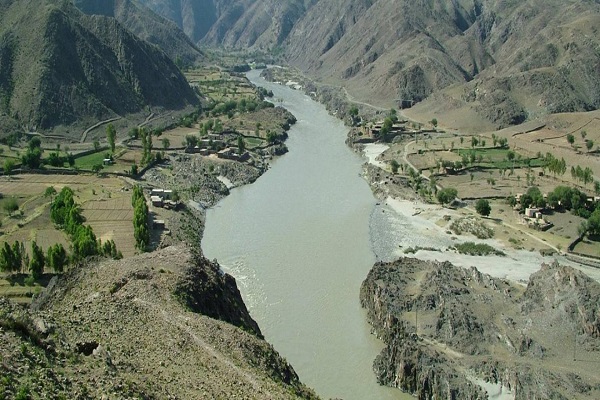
(111, 219)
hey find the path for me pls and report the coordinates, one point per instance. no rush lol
(91, 128)
(351, 99)
(179, 322)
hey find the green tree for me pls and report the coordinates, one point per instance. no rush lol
(589, 144)
(482, 206)
(434, 122)
(166, 143)
(11, 205)
(36, 265)
(447, 195)
(96, 145)
(111, 136)
(395, 165)
(570, 139)
(9, 165)
(97, 168)
(33, 157)
(7, 258)
(241, 144)
(57, 257)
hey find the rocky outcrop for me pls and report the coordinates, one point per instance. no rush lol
(205, 289)
(561, 292)
(445, 327)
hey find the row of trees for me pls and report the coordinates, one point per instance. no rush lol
(66, 215)
(14, 259)
(141, 230)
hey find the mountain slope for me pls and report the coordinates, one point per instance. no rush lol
(147, 25)
(61, 67)
(504, 61)
(126, 329)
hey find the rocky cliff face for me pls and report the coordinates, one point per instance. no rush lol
(62, 67)
(445, 327)
(141, 327)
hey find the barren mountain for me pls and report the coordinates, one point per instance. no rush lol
(504, 61)
(147, 25)
(60, 66)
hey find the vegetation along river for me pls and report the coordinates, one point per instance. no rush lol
(298, 243)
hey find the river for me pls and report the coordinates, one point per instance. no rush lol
(298, 243)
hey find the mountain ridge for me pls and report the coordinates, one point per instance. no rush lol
(505, 62)
(64, 68)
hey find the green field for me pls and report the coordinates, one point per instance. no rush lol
(498, 158)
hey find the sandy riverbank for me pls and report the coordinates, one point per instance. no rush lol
(429, 227)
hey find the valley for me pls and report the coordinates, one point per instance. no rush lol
(479, 128)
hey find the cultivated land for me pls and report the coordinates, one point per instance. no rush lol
(234, 109)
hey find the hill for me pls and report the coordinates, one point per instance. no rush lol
(168, 324)
(147, 25)
(502, 62)
(62, 67)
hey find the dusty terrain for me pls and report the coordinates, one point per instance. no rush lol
(158, 325)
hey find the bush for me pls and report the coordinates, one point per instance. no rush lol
(483, 207)
(447, 195)
(477, 249)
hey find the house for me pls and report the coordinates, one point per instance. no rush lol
(230, 154)
(157, 192)
(533, 213)
(158, 224)
(157, 201)
(107, 161)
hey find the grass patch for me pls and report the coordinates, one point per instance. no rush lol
(87, 162)
(478, 249)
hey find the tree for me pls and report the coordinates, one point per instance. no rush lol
(33, 157)
(353, 111)
(395, 165)
(241, 144)
(447, 195)
(483, 207)
(111, 136)
(57, 257)
(474, 141)
(36, 265)
(593, 223)
(50, 191)
(434, 122)
(166, 143)
(570, 139)
(589, 144)
(96, 145)
(97, 168)
(11, 205)
(8, 166)
(271, 137)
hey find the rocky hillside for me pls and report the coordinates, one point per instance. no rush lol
(148, 26)
(504, 62)
(61, 67)
(452, 332)
(158, 325)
